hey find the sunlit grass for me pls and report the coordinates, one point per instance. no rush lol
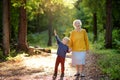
(17, 58)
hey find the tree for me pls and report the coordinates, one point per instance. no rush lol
(95, 26)
(6, 27)
(115, 14)
(50, 19)
(108, 36)
(1, 26)
(22, 30)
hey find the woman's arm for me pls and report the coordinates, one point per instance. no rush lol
(86, 42)
(70, 42)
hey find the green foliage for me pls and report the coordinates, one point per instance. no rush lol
(94, 5)
(41, 10)
(115, 14)
(99, 44)
(116, 38)
(41, 39)
(38, 39)
(109, 63)
(63, 25)
(38, 24)
(14, 21)
(85, 15)
(98, 7)
(34, 8)
(13, 53)
(17, 3)
(2, 57)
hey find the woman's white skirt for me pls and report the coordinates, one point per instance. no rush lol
(78, 58)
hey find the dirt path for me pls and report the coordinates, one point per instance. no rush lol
(40, 67)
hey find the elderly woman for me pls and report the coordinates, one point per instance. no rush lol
(80, 46)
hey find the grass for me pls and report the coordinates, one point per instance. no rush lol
(109, 62)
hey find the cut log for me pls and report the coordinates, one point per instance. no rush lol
(38, 50)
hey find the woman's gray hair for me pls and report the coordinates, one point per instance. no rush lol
(77, 20)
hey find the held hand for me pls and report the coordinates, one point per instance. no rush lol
(70, 50)
(55, 32)
(87, 51)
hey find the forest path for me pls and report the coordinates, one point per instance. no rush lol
(41, 67)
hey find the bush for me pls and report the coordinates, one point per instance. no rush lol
(2, 57)
(38, 39)
(116, 38)
(109, 63)
(11, 54)
(99, 44)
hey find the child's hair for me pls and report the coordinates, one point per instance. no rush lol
(66, 38)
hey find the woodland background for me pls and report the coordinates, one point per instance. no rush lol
(26, 23)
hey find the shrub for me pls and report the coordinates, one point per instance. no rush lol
(109, 63)
(2, 57)
(38, 39)
(116, 38)
(99, 44)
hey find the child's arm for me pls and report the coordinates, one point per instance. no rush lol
(56, 36)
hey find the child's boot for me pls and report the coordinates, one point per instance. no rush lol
(61, 76)
(54, 76)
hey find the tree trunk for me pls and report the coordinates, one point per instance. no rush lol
(22, 30)
(108, 36)
(95, 26)
(6, 27)
(50, 29)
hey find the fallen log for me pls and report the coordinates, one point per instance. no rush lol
(38, 50)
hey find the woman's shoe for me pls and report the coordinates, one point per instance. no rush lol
(61, 78)
(82, 75)
(77, 74)
(62, 75)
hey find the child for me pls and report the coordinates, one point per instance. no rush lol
(61, 54)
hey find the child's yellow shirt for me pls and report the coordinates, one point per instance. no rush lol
(79, 40)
